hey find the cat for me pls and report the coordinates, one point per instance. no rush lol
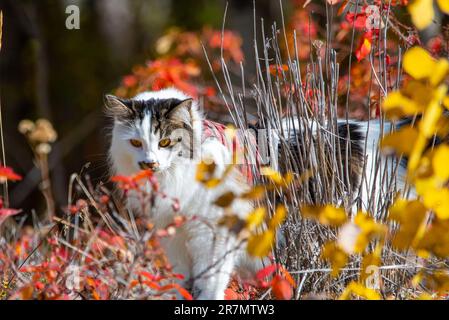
(369, 178)
(164, 131)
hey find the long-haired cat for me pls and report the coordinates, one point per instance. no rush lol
(164, 131)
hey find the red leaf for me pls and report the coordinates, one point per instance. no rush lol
(356, 19)
(147, 275)
(178, 276)
(231, 295)
(184, 293)
(281, 288)
(6, 173)
(365, 45)
(266, 272)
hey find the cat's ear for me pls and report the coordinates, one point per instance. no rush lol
(117, 107)
(180, 108)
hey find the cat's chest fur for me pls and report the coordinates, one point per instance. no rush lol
(195, 200)
(154, 130)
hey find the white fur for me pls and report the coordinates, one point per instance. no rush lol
(200, 250)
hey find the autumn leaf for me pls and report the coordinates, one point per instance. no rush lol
(435, 240)
(276, 178)
(440, 72)
(255, 218)
(278, 217)
(358, 289)
(394, 142)
(364, 48)
(225, 199)
(418, 63)
(370, 229)
(255, 193)
(438, 201)
(336, 256)
(440, 162)
(422, 13)
(259, 245)
(444, 5)
(6, 173)
(184, 293)
(325, 214)
(205, 174)
(281, 288)
(266, 272)
(437, 281)
(396, 106)
(278, 69)
(233, 223)
(410, 215)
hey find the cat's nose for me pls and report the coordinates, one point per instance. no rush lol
(153, 165)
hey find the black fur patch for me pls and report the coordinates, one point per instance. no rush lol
(349, 149)
(157, 108)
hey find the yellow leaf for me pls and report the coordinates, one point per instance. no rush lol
(444, 6)
(397, 106)
(438, 200)
(325, 214)
(205, 174)
(255, 218)
(432, 114)
(273, 175)
(358, 289)
(411, 216)
(260, 245)
(394, 142)
(419, 92)
(418, 63)
(278, 217)
(415, 155)
(437, 281)
(422, 13)
(446, 102)
(370, 229)
(336, 256)
(435, 239)
(440, 162)
(276, 178)
(233, 223)
(255, 193)
(440, 72)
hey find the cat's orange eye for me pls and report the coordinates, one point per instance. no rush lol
(164, 143)
(136, 143)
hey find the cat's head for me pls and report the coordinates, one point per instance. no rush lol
(154, 130)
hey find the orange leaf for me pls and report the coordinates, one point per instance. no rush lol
(364, 48)
(282, 290)
(287, 276)
(184, 293)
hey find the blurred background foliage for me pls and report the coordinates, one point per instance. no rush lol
(48, 71)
